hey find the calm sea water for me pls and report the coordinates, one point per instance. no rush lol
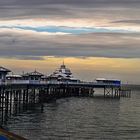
(81, 119)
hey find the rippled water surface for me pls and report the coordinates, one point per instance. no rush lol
(81, 119)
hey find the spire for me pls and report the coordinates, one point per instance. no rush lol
(63, 62)
(23, 72)
(63, 65)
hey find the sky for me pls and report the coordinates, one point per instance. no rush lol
(95, 38)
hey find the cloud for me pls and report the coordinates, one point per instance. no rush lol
(69, 9)
(34, 46)
(27, 26)
(67, 2)
(62, 30)
(22, 57)
(38, 29)
(61, 15)
(128, 21)
(96, 14)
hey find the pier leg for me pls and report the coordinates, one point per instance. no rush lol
(41, 93)
(10, 107)
(6, 106)
(2, 106)
(24, 98)
(108, 92)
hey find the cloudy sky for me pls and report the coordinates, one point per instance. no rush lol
(95, 38)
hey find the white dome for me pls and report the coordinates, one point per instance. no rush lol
(63, 72)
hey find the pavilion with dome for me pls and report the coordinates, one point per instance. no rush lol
(62, 74)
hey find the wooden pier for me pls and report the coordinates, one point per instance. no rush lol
(15, 98)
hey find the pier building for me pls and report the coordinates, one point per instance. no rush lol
(108, 81)
(62, 74)
(13, 78)
(19, 92)
(33, 77)
(3, 73)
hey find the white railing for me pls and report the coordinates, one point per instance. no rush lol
(22, 82)
(17, 82)
(55, 82)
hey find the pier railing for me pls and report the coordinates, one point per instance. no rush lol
(20, 82)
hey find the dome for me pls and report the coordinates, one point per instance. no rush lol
(62, 72)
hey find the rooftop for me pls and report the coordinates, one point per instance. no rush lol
(2, 69)
(14, 76)
(34, 73)
(104, 79)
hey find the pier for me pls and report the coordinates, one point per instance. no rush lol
(19, 93)
(15, 98)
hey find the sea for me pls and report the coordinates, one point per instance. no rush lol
(81, 118)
